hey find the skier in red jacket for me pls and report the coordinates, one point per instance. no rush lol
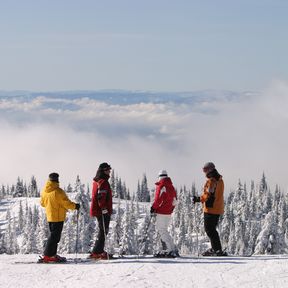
(163, 205)
(101, 208)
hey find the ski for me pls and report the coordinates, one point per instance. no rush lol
(49, 263)
(170, 255)
(65, 261)
(135, 257)
(165, 256)
(215, 257)
(68, 261)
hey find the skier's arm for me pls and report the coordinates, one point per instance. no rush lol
(42, 203)
(102, 196)
(64, 200)
(210, 188)
(158, 197)
(205, 195)
(93, 209)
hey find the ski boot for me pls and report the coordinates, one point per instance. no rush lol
(52, 259)
(176, 253)
(172, 254)
(209, 252)
(101, 256)
(161, 254)
(221, 253)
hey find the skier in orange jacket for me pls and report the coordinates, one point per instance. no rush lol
(212, 199)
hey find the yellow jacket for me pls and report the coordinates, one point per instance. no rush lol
(212, 186)
(55, 201)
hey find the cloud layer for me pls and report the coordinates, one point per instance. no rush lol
(243, 133)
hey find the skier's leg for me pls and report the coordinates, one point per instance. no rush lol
(100, 241)
(162, 223)
(164, 246)
(54, 238)
(210, 224)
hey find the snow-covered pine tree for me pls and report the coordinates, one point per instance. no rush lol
(239, 208)
(68, 237)
(2, 244)
(69, 188)
(115, 232)
(128, 243)
(42, 231)
(35, 217)
(112, 182)
(177, 211)
(128, 197)
(261, 195)
(271, 238)
(134, 225)
(119, 188)
(2, 192)
(125, 191)
(181, 236)
(29, 239)
(86, 223)
(138, 192)
(10, 190)
(10, 240)
(226, 226)
(26, 227)
(32, 190)
(143, 192)
(19, 188)
(20, 219)
(282, 213)
(147, 237)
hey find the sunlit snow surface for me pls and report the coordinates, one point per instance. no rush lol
(188, 271)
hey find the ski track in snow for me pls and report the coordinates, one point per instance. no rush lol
(255, 271)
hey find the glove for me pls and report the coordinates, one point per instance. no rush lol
(152, 210)
(195, 199)
(77, 206)
(104, 211)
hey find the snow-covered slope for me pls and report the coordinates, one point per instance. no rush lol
(252, 272)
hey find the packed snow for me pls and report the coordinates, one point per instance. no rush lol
(255, 271)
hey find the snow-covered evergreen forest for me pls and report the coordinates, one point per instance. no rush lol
(255, 220)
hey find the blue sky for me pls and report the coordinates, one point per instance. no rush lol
(169, 46)
(142, 45)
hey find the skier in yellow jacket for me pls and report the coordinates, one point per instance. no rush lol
(56, 204)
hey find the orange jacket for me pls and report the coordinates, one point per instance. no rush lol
(216, 188)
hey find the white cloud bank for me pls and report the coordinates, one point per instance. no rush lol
(244, 137)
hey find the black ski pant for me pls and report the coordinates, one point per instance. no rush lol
(210, 224)
(100, 241)
(55, 229)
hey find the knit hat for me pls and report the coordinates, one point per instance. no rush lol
(54, 177)
(208, 167)
(104, 166)
(162, 174)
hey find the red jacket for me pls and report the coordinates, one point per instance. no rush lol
(165, 197)
(101, 198)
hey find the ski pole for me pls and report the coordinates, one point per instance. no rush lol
(137, 243)
(77, 233)
(104, 230)
(196, 226)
